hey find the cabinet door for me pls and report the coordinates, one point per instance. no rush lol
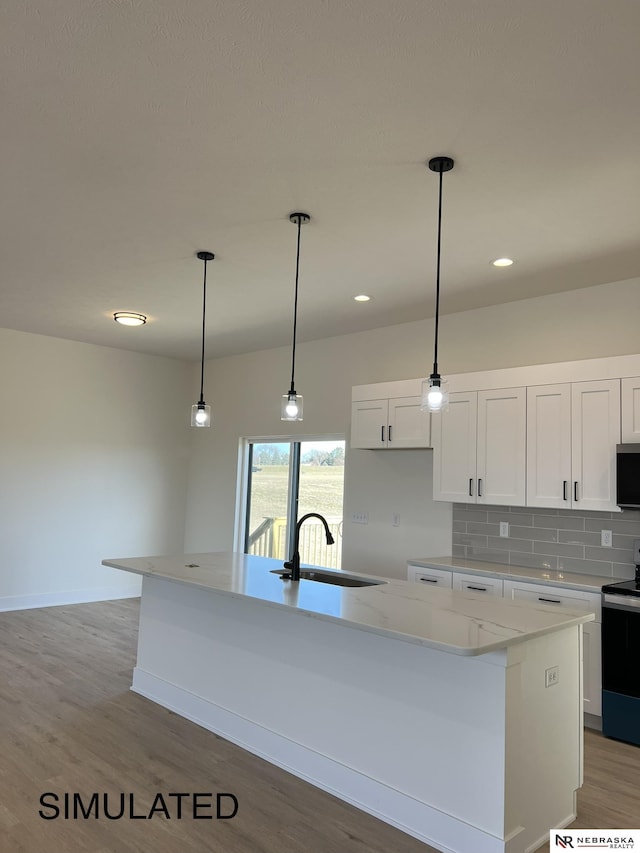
(369, 422)
(595, 431)
(591, 668)
(408, 426)
(631, 410)
(501, 466)
(453, 435)
(549, 446)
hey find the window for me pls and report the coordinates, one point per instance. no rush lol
(285, 479)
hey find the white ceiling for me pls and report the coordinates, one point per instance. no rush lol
(136, 132)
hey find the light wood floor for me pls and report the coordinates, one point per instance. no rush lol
(68, 722)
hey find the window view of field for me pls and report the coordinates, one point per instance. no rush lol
(321, 486)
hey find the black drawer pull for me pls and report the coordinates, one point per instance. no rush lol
(477, 588)
(550, 600)
(429, 580)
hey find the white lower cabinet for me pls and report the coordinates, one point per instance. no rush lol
(523, 590)
(592, 667)
(477, 584)
(430, 577)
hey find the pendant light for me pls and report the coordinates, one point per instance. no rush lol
(200, 412)
(434, 397)
(292, 401)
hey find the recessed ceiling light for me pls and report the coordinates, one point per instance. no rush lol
(502, 262)
(128, 318)
(362, 297)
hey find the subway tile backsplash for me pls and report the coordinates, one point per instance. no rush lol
(567, 540)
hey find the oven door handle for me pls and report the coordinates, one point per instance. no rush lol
(620, 602)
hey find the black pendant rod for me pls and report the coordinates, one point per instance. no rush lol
(203, 256)
(301, 219)
(435, 345)
(440, 165)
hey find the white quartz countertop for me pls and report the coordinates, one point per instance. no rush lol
(550, 577)
(444, 619)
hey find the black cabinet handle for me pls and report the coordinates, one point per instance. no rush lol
(429, 580)
(389, 432)
(549, 600)
(575, 490)
(565, 483)
(477, 588)
(470, 487)
(479, 487)
(382, 433)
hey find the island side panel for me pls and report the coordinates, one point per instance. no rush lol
(544, 735)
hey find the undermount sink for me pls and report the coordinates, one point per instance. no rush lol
(331, 577)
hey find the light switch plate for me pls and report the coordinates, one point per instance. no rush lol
(360, 518)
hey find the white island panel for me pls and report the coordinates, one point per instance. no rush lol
(455, 749)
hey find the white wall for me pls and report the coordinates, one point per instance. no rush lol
(245, 391)
(94, 449)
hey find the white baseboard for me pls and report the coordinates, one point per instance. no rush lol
(417, 819)
(56, 599)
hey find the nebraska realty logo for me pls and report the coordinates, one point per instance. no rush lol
(592, 839)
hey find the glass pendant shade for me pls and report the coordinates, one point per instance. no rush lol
(435, 397)
(200, 415)
(291, 407)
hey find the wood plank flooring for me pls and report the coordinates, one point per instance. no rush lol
(69, 723)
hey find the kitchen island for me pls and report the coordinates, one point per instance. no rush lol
(455, 718)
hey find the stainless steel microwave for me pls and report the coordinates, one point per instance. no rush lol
(628, 475)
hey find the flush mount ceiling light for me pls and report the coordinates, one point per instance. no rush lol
(129, 318)
(291, 409)
(502, 262)
(200, 412)
(434, 397)
(362, 297)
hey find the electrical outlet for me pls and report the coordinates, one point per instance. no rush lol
(504, 528)
(396, 519)
(606, 538)
(360, 518)
(551, 676)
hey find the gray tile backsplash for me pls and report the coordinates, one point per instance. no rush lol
(567, 540)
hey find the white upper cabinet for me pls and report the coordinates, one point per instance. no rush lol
(386, 424)
(502, 446)
(549, 446)
(453, 435)
(408, 425)
(572, 432)
(369, 419)
(631, 410)
(479, 445)
(595, 431)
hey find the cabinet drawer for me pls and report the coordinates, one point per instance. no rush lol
(477, 584)
(429, 577)
(574, 599)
